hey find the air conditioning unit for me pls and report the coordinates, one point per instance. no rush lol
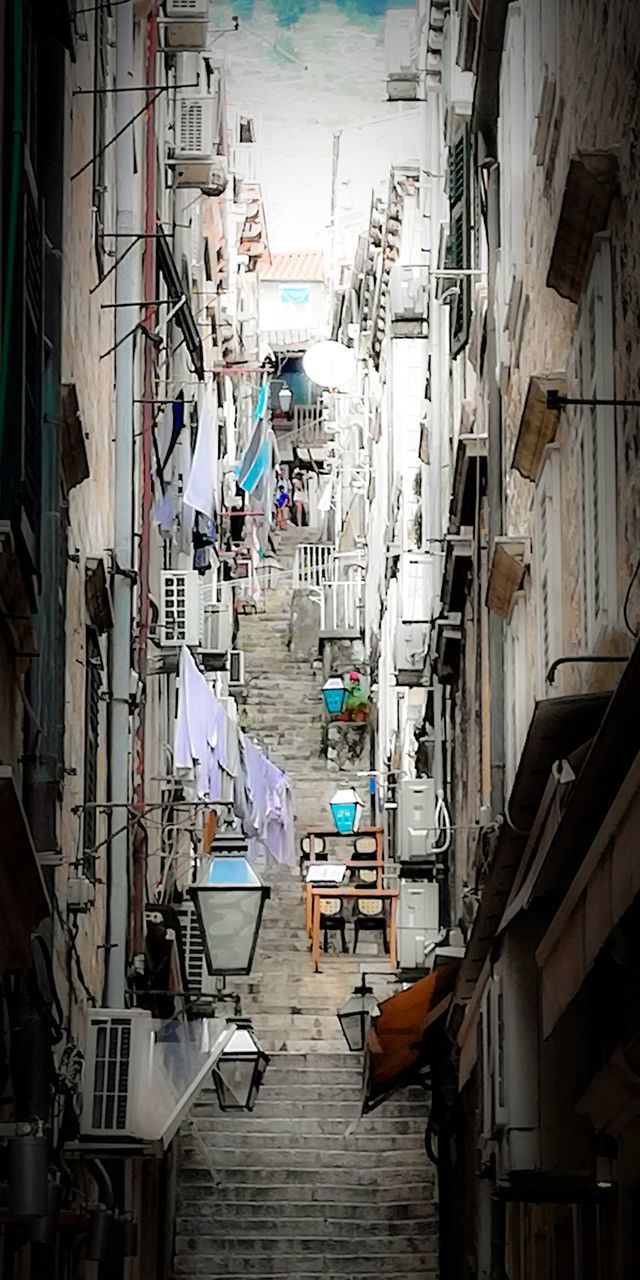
(186, 24)
(216, 607)
(208, 176)
(118, 1050)
(410, 647)
(417, 832)
(180, 608)
(418, 920)
(236, 669)
(195, 121)
(199, 980)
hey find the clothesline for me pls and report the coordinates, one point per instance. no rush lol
(209, 744)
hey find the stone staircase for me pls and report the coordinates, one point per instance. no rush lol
(303, 1186)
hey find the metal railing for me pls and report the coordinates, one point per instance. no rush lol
(342, 606)
(313, 565)
(308, 424)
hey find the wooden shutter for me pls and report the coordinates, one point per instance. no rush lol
(549, 564)
(93, 686)
(459, 243)
(597, 451)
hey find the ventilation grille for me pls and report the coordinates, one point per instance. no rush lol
(111, 1075)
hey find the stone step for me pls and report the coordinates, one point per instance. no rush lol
(307, 1212)
(325, 1264)
(290, 1245)
(314, 1156)
(381, 1184)
(268, 1130)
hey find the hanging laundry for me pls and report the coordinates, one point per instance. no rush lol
(200, 489)
(177, 424)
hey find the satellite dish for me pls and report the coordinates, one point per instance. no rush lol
(330, 364)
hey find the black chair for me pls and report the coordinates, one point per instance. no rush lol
(364, 850)
(370, 916)
(332, 921)
(321, 854)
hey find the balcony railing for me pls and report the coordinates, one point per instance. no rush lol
(313, 565)
(341, 607)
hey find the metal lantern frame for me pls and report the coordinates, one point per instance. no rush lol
(227, 1100)
(231, 847)
(285, 399)
(356, 1014)
(343, 800)
(334, 695)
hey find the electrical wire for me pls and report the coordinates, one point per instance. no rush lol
(71, 937)
(625, 609)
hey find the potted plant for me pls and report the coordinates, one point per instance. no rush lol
(357, 707)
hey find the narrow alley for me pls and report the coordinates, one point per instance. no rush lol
(319, 640)
(304, 1186)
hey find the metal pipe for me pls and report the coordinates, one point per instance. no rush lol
(586, 657)
(495, 502)
(127, 289)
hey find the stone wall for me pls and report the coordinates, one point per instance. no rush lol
(348, 747)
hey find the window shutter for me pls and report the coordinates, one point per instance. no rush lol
(93, 686)
(459, 243)
(498, 1055)
(549, 564)
(597, 451)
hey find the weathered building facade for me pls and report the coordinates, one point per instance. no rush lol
(525, 450)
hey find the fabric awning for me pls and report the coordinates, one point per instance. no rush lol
(184, 317)
(408, 1034)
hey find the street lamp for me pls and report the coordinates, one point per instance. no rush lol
(355, 1016)
(335, 695)
(229, 899)
(240, 1069)
(346, 810)
(330, 364)
(285, 397)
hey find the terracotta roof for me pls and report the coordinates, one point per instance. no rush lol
(292, 266)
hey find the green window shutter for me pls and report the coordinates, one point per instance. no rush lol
(459, 243)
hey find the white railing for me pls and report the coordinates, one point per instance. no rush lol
(308, 423)
(341, 606)
(243, 161)
(313, 565)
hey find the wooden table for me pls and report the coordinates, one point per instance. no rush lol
(319, 891)
(362, 866)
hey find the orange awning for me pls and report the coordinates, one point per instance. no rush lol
(407, 1035)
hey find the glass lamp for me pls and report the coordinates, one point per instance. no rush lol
(229, 898)
(330, 364)
(335, 695)
(346, 810)
(355, 1016)
(240, 1069)
(285, 397)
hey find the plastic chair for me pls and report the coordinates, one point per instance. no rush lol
(321, 854)
(332, 921)
(370, 916)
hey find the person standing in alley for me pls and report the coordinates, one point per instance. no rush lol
(300, 516)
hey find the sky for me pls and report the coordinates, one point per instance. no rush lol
(303, 69)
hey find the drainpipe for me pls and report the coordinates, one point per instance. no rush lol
(495, 501)
(119, 742)
(146, 488)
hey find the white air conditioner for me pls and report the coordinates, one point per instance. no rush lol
(208, 176)
(417, 832)
(216, 608)
(194, 127)
(186, 24)
(118, 1052)
(418, 921)
(180, 608)
(411, 646)
(236, 669)
(198, 977)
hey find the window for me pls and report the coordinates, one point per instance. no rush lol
(597, 451)
(93, 686)
(459, 242)
(548, 564)
(100, 75)
(494, 1110)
